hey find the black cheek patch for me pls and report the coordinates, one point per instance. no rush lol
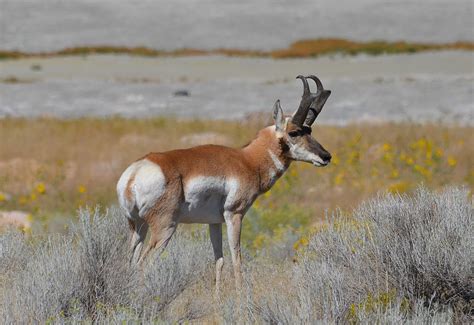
(284, 146)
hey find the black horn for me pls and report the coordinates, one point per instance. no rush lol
(317, 104)
(300, 114)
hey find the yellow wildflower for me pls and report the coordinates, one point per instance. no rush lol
(259, 241)
(303, 241)
(394, 173)
(81, 189)
(429, 155)
(388, 157)
(422, 170)
(41, 188)
(452, 161)
(353, 157)
(2, 197)
(256, 205)
(399, 187)
(420, 144)
(339, 178)
(386, 147)
(429, 146)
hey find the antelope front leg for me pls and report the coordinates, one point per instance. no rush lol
(215, 231)
(233, 222)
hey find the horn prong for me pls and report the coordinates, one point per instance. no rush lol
(318, 82)
(305, 85)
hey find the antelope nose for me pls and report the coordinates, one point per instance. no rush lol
(327, 157)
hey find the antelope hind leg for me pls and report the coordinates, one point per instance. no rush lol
(215, 232)
(139, 228)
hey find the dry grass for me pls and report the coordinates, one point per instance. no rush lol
(310, 48)
(299, 49)
(133, 51)
(50, 166)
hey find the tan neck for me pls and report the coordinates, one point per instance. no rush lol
(266, 157)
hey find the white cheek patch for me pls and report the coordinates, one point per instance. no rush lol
(300, 153)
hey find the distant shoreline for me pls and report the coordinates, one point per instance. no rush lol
(300, 49)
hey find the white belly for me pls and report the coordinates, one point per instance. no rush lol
(207, 210)
(205, 199)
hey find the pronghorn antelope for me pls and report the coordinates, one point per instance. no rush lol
(213, 184)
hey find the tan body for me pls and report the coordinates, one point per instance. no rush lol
(210, 184)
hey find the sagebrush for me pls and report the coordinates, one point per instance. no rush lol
(397, 258)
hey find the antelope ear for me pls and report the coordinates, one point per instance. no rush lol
(278, 116)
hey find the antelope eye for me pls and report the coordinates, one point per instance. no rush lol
(294, 133)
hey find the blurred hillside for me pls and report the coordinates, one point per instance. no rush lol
(266, 24)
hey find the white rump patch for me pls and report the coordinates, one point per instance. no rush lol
(148, 186)
(122, 187)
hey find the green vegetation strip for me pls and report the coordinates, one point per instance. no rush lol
(299, 49)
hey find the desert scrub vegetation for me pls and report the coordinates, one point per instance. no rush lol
(86, 275)
(49, 167)
(299, 49)
(396, 259)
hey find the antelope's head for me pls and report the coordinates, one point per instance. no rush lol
(295, 132)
